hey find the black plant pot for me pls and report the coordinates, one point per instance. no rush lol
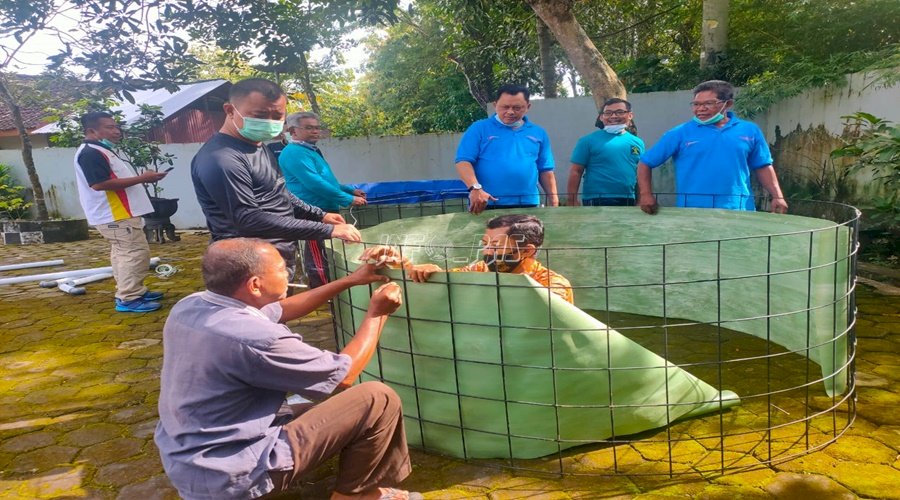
(157, 226)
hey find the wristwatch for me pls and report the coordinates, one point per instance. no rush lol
(474, 187)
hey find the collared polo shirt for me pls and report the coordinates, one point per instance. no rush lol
(713, 164)
(226, 370)
(610, 164)
(507, 161)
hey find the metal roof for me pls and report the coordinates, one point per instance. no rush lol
(170, 102)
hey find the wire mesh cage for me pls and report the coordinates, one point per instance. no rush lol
(699, 340)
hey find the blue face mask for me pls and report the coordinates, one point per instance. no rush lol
(716, 118)
(258, 129)
(615, 129)
(510, 125)
(108, 143)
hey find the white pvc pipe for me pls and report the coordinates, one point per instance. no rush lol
(72, 286)
(27, 265)
(63, 274)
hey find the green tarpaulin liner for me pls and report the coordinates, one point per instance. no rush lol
(491, 365)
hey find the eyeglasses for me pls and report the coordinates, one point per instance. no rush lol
(514, 109)
(705, 104)
(311, 127)
(618, 112)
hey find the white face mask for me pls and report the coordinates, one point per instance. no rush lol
(615, 129)
(510, 125)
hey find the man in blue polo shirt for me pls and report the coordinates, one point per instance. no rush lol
(714, 155)
(607, 159)
(501, 159)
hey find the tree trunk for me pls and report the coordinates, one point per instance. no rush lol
(27, 158)
(715, 33)
(306, 81)
(582, 52)
(481, 92)
(548, 63)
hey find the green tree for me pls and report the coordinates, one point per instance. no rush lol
(282, 33)
(412, 83)
(126, 45)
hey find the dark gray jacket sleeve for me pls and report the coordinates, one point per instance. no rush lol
(230, 188)
(303, 210)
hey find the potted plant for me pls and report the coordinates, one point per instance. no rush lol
(143, 153)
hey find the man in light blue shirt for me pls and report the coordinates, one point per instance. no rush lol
(607, 159)
(225, 431)
(501, 159)
(309, 177)
(714, 155)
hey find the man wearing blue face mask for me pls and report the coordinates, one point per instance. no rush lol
(238, 183)
(607, 159)
(502, 159)
(714, 154)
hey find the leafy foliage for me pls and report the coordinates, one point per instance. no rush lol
(874, 143)
(12, 202)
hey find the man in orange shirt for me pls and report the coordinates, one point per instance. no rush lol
(509, 245)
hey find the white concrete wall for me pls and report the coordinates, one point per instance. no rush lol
(430, 156)
(826, 106)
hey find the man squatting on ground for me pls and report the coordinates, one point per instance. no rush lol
(309, 177)
(225, 430)
(114, 199)
(509, 245)
(238, 183)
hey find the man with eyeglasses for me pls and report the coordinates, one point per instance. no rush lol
(607, 159)
(309, 177)
(501, 159)
(714, 155)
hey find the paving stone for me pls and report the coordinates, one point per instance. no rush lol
(144, 430)
(42, 459)
(28, 442)
(101, 390)
(862, 450)
(111, 451)
(132, 414)
(788, 486)
(719, 492)
(65, 482)
(869, 480)
(92, 434)
(123, 473)
(156, 488)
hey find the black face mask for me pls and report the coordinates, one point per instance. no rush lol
(501, 263)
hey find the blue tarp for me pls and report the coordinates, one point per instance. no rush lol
(399, 192)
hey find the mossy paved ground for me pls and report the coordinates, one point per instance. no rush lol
(79, 385)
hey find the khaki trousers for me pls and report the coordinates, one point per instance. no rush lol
(364, 425)
(129, 256)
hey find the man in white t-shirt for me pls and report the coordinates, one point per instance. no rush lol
(114, 199)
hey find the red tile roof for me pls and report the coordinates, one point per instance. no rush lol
(33, 117)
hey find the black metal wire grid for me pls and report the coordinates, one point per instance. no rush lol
(788, 419)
